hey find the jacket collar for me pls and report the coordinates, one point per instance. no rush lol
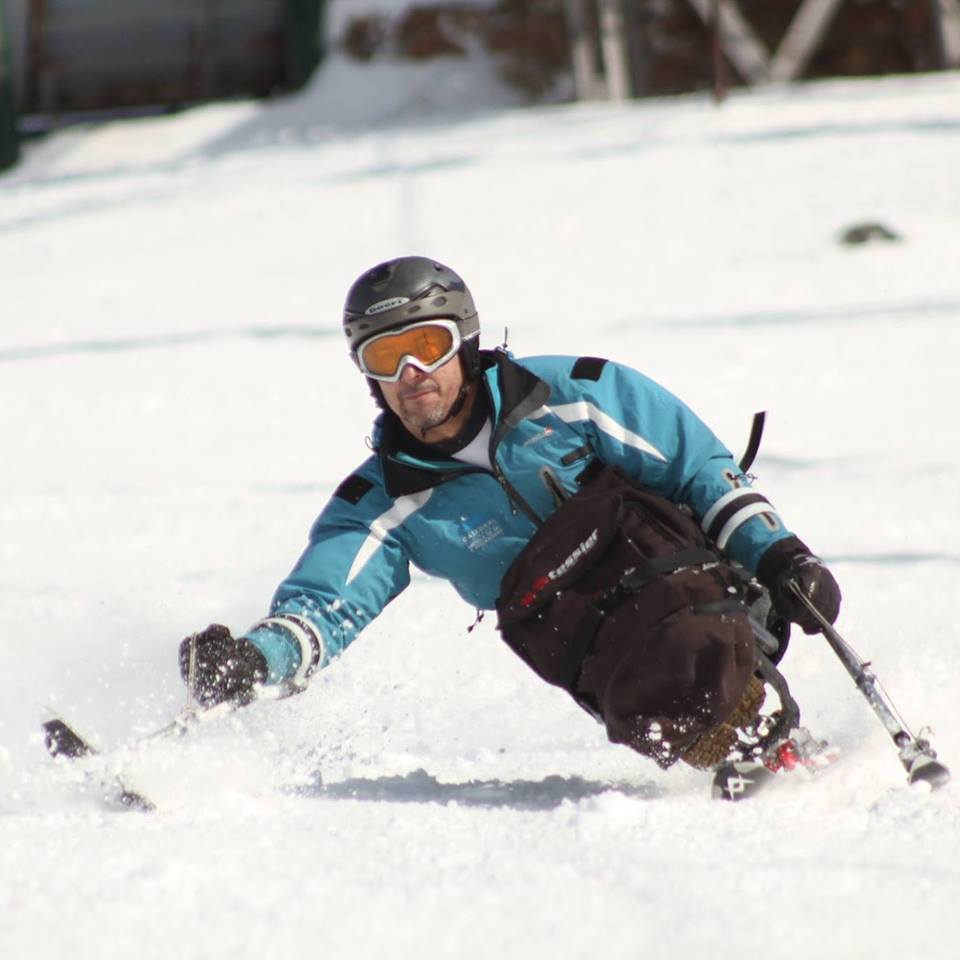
(514, 393)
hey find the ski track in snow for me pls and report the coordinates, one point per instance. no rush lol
(177, 404)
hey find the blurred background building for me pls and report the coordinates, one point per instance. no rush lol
(61, 60)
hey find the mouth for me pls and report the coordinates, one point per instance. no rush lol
(418, 393)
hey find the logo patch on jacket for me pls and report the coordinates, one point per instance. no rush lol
(537, 437)
(478, 530)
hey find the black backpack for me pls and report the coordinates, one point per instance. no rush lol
(620, 600)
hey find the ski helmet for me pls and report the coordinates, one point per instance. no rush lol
(410, 290)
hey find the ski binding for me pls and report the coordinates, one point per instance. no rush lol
(800, 754)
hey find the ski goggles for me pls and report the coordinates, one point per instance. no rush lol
(427, 345)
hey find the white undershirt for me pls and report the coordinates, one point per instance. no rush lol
(477, 451)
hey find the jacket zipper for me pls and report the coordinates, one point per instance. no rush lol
(514, 497)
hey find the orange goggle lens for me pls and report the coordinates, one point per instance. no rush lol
(430, 344)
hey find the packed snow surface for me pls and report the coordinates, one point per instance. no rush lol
(177, 405)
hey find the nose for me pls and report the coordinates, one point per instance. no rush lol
(411, 374)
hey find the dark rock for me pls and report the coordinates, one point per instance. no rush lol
(435, 31)
(868, 233)
(364, 36)
(530, 38)
(527, 37)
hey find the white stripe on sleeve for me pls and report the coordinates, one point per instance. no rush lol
(402, 508)
(584, 410)
(312, 647)
(721, 503)
(741, 516)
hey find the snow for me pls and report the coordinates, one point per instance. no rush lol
(176, 405)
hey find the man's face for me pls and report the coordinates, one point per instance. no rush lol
(423, 400)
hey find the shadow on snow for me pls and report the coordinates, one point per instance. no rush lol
(418, 786)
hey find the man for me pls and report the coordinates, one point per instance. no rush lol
(473, 454)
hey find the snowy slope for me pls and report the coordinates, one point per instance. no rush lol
(176, 405)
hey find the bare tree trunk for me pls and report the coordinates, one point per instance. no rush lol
(586, 78)
(946, 19)
(613, 43)
(721, 79)
(742, 46)
(805, 33)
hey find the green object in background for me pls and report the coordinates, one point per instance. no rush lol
(9, 140)
(302, 31)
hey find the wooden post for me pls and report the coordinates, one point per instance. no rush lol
(586, 78)
(613, 45)
(946, 18)
(805, 33)
(721, 80)
(742, 46)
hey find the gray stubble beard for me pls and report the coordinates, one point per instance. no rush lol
(426, 421)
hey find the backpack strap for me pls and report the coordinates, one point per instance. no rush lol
(650, 567)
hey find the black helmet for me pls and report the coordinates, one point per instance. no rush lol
(408, 290)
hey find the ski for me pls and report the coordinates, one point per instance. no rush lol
(740, 779)
(798, 757)
(63, 741)
(923, 766)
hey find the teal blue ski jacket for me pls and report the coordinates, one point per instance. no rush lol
(552, 417)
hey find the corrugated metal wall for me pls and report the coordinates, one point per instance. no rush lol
(62, 57)
(86, 55)
(93, 55)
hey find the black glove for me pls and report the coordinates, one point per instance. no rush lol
(790, 560)
(226, 667)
